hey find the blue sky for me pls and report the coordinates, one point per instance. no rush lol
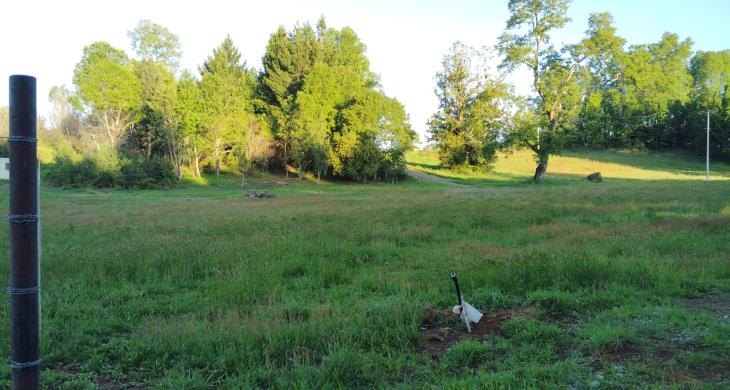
(406, 39)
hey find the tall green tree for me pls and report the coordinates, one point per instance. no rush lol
(157, 116)
(472, 107)
(356, 153)
(710, 71)
(314, 119)
(158, 52)
(327, 111)
(603, 54)
(370, 138)
(226, 91)
(189, 137)
(655, 80)
(371, 131)
(155, 43)
(289, 57)
(710, 92)
(107, 90)
(526, 42)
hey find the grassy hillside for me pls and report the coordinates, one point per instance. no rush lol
(620, 284)
(520, 166)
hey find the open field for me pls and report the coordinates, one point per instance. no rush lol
(623, 283)
(622, 165)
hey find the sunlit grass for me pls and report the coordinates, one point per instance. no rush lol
(629, 165)
(325, 286)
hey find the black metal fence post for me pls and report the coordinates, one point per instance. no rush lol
(24, 232)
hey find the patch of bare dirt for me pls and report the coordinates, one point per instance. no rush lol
(442, 328)
(717, 303)
(625, 352)
(432, 178)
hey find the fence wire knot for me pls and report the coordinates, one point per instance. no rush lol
(22, 218)
(21, 138)
(20, 365)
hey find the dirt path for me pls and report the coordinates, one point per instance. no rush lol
(434, 179)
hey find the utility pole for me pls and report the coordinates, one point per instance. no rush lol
(707, 155)
(25, 301)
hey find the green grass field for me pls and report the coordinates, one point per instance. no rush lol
(519, 166)
(331, 286)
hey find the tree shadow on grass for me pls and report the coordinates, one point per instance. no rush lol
(424, 165)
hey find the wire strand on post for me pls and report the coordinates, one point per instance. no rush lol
(22, 218)
(22, 365)
(21, 138)
(22, 291)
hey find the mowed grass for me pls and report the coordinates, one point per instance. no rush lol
(519, 166)
(327, 286)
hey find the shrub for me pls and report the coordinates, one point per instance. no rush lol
(106, 169)
(147, 173)
(67, 173)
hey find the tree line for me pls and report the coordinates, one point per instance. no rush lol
(315, 106)
(597, 93)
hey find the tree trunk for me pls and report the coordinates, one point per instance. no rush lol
(243, 177)
(108, 128)
(286, 168)
(542, 165)
(540, 172)
(196, 161)
(175, 158)
(217, 158)
(317, 177)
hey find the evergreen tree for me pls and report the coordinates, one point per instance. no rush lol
(225, 91)
(326, 109)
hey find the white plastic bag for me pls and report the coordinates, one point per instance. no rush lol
(468, 314)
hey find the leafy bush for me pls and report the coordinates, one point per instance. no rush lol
(67, 173)
(106, 169)
(147, 173)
